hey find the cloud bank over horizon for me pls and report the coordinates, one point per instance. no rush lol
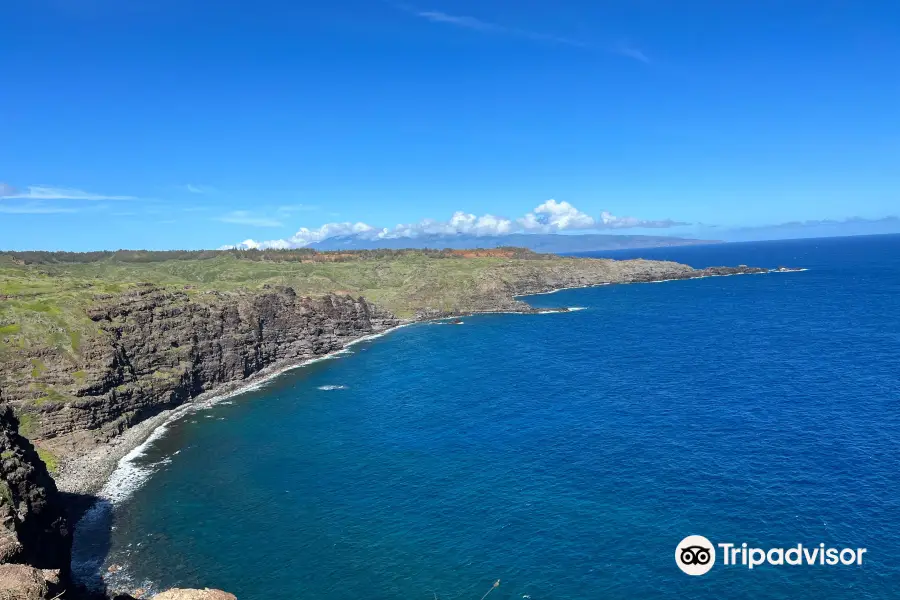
(550, 217)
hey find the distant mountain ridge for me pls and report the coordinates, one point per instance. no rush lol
(550, 243)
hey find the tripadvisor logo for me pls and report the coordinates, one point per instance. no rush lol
(696, 555)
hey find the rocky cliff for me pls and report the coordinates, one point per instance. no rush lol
(35, 540)
(158, 348)
(496, 290)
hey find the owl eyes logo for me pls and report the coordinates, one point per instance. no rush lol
(695, 555)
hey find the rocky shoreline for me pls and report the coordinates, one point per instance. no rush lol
(169, 353)
(87, 473)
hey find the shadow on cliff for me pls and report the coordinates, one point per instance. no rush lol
(92, 526)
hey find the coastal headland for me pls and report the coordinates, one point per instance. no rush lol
(99, 349)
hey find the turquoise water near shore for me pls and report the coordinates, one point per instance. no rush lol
(565, 454)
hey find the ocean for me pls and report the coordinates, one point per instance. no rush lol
(566, 455)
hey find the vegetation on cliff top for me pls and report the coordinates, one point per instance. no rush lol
(50, 345)
(44, 296)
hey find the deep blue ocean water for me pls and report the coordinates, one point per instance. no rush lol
(565, 454)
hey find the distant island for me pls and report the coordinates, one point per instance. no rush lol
(550, 242)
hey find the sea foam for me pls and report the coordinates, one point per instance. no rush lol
(129, 474)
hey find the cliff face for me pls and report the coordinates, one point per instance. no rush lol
(35, 541)
(158, 348)
(33, 526)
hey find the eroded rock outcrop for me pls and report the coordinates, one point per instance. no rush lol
(35, 540)
(23, 582)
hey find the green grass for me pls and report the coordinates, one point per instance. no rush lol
(37, 368)
(5, 493)
(50, 459)
(44, 307)
(47, 298)
(28, 424)
(75, 340)
(10, 329)
(49, 395)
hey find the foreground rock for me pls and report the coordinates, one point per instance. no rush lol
(23, 582)
(35, 541)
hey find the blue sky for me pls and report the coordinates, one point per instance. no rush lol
(190, 124)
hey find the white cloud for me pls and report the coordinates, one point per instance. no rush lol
(33, 208)
(609, 221)
(248, 244)
(467, 22)
(550, 217)
(556, 216)
(305, 237)
(492, 28)
(45, 192)
(245, 217)
(630, 51)
(460, 223)
(436, 16)
(199, 189)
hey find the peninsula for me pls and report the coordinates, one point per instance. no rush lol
(95, 348)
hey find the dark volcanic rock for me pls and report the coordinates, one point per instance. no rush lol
(741, 270)
(34, 528)
(35, 541)
(698, 273)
